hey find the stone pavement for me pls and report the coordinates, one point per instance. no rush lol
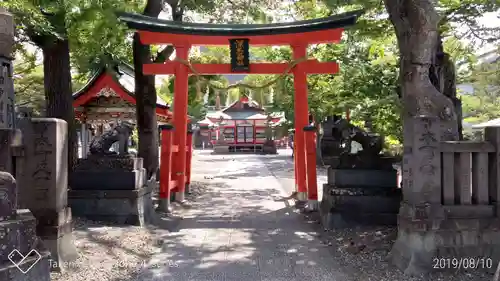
(240, 229)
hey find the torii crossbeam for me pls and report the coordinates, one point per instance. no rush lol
(298, 35)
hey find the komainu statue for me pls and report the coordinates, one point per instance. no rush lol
(330, 146)
(121, 133)
(369, 157)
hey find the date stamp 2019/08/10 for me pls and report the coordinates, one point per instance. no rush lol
(462, 263)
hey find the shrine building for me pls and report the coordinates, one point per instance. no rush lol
(108, 97)
(242, 124)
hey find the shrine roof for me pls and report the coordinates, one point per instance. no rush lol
(145, 23)
(122, 75)
(206, 121)
(238, 105)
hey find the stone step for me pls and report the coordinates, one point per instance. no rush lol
(362, 190)
(364, 204)
(17, 234)
(33, 268)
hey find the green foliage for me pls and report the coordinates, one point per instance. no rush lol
(135, 138)
(28, 82)
(484, 104)
(97, 38)
(196, 106)
(91, 26)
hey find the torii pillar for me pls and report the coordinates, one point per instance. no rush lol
(301, 107)
(180, 121)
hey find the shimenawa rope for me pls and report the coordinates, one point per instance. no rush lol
(198, 75)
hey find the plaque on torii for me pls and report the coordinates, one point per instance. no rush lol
(240, 54)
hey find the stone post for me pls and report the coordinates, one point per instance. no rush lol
(492, 135)
(44, 185)
(22, 257)
(421, 210)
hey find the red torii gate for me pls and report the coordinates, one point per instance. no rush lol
(183, 35)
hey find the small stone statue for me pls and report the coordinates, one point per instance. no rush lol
(100, 145)
(368, 158)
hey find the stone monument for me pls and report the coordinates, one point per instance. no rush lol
(431, 230)
(22, 256)
(362, 186)
(110, 186)
(43, 184)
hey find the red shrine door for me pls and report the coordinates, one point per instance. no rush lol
(298, 35)
(244, 134)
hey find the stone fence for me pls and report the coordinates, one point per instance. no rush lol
(470, 174)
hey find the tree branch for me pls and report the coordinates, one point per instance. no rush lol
(177, 15)
(164, 54)
(153, 8)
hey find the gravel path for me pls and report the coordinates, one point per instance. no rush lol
(108, 252)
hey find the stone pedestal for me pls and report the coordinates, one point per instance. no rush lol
(43, 185)
(221, 148)
(353, 196)
(18, 239)
(112, 189)
(129, 207)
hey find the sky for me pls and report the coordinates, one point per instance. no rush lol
(488, 20)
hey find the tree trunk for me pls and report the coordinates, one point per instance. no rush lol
(443, 77)
(58, 90)
(416, 26)
(145, 95)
